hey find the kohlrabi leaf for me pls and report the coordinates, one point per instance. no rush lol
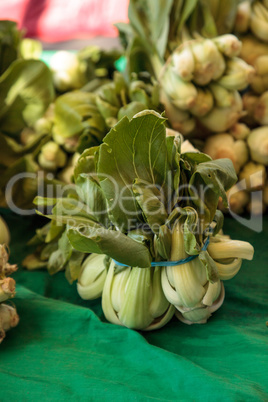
(132, 149)
(26, 90)
(113, 243)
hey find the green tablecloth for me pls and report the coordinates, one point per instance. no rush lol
(63, 349)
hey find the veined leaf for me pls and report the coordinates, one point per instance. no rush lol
(113, 243)
(163, 242)
(26, 90)
(71, 206)
(72, 220)
(150, 20)
(195, 157)
(132, 149)
(210, 181)
(59, 258)
(218, 219)
(87, 185)
(150, 200)
(74, 266)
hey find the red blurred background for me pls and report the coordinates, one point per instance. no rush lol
(62, 20)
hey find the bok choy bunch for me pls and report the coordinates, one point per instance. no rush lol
(194, 57)
(143, 202)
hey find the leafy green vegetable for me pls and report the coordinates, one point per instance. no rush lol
(146, 188)
(215, 178)
(110, 242)
(134, 149)
(10, 38)
(131, 177)
(26, 90)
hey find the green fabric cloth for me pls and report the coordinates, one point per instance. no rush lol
(63, 349)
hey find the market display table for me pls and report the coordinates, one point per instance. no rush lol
(63, 348)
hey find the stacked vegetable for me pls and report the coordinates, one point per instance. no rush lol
(45, 131)
(30, 109)
(199, 77)
(252, 28)
(140, 199)
(140, 227)
(8, 314)
(203, 76)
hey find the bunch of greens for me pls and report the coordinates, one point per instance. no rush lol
(139, 199)
(157, 28)
(42, 131)
(198, 71)
(26, 90)
(251, 27)
(202, 69)
(82, 118)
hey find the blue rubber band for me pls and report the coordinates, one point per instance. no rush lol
(170, 263)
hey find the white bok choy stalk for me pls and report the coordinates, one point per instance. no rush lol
(133, 297)
(92, 277)
(188, 287)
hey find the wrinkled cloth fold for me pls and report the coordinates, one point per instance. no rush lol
(64, 348)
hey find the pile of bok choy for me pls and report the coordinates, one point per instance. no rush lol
(142, 203)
